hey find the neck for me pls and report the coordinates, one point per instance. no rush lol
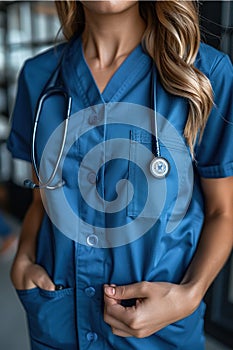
(108, 37)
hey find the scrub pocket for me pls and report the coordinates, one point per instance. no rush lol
(151, 195)
(51, 318)
(140, 155)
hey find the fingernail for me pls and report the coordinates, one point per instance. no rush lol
(110, 290)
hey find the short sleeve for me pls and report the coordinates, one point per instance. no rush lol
(214, 155)
(19, 140)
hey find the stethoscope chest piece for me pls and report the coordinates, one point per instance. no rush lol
(159, 167)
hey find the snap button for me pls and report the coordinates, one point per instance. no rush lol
(92, 337)
(92, 240)
(90, 291)
(93, 119)
(91, 177)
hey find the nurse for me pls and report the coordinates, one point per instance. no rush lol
(79, 290)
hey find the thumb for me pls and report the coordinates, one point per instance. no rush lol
(42, 279)
(130, 291)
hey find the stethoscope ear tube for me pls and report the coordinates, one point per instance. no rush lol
(30, 184)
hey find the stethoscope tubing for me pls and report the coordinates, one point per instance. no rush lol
(159, 166)
(48, 93)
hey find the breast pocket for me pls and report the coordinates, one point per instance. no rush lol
(155, 197)
(146, 199)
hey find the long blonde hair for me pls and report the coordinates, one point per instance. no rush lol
(172, 39)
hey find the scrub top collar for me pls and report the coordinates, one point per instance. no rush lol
(81, 82)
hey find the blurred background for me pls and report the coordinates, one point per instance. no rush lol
(26, 28)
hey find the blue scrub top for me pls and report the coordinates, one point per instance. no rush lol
(72, 318)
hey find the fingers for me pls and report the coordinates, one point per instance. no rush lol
(41, 279)
(126, 321)
(118, 328)
(115, 311)
(120, 318)
(131, 291)
(121, 333)
(116, 325)
(30, 276)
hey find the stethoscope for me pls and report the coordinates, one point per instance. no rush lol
(53, 87)
(159, 166)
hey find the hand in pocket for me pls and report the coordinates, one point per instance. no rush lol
(27, 275)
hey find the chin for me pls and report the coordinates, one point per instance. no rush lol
(108, 7)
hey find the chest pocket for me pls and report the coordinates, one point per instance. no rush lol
(155, 197)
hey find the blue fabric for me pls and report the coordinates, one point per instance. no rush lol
(73, 318)
(5, 229)
(51, 318)
(214, 153)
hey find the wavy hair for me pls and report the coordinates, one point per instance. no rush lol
(172, 39)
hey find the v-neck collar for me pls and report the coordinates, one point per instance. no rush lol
(81, 80)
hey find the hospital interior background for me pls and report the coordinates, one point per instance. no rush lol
(26, 28)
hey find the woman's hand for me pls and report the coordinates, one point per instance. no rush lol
(157, 305)
(27, 275)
